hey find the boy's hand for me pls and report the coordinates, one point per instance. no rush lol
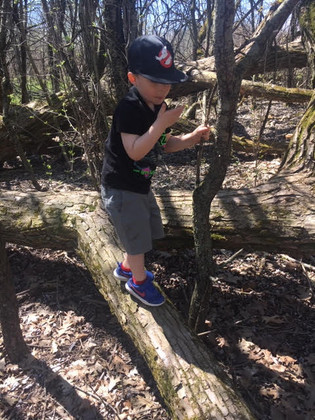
(202, 132)
(170, 116)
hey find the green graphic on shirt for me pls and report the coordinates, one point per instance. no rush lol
(163, 140)
(146, 172)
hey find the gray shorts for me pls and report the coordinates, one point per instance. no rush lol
(136, 218)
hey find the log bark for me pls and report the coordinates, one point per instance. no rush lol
(190, 381)
(201, 79)
(277, 216)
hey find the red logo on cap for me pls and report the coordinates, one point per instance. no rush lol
(165, 58)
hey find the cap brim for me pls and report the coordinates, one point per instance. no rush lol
(176, 76)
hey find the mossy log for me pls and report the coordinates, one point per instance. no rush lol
(279, 57)
(44, 141)
(190, 380)
(201, 79)
(278, 216)
(35, 125)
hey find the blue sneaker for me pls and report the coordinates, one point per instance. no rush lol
(121, 274)
(124, 275)
(147, 293)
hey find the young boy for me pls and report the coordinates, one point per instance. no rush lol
(140, 132)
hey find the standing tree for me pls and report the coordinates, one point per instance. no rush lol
(9, 316)
(300, 155)
(230, 71)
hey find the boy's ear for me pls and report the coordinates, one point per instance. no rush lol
(131, 77)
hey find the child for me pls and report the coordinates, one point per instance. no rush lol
(140, 132)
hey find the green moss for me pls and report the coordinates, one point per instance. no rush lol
(87, 207)
(217, 215)
(217, 237)
(307, 18)
(91, 207)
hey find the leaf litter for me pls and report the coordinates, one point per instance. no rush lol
(260, 326)
(82, 365)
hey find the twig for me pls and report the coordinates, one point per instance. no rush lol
(222, 264)
(204, 333)
(258, 139)
(304, 266)
(308, 266)
(98, 397)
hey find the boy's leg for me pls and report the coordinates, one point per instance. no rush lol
(136, 265)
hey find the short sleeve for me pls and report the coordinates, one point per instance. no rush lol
(131, 118)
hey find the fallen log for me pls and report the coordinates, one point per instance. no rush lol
(204, 79)
(190, 380)
(278, 216)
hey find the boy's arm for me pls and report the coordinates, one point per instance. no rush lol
(138, 146)
(177, 143)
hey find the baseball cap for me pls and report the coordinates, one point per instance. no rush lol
(153, 58)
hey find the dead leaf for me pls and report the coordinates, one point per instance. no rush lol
(54, 347)
(275, 319)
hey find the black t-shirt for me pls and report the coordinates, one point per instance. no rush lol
(132, 116)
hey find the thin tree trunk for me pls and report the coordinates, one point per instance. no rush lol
(300, 155)
(9, 318)
(228, 90)
(229, 75)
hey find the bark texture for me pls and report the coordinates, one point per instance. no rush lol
(9, 317)
(277, 216)
(191, 382)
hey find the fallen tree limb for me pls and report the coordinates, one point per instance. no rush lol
(190, 381)
(204, 79)
(277, 216)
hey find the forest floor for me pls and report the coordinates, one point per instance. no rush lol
(260, 326)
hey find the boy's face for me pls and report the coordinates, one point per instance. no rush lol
(153, 93)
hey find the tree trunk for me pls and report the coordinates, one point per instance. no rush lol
(183, 369)
(300, 155)
(228, 92)
(306, 16)
(230, 71)
(190, 380)
(9, 318)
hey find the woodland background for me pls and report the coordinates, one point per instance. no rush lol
(62, 70)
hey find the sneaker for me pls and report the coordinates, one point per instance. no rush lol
(121, 274)
(124, 275)
(147, 293)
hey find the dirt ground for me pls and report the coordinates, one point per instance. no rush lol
(83, 366)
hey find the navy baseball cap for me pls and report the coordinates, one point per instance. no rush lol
(153, 58)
